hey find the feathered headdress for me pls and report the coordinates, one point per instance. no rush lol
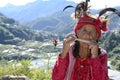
(80, 9)
(83, 16)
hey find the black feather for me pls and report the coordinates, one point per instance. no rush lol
(69, 6)
(86, 5)
(78, 9)
(88, 0)
(107, 9)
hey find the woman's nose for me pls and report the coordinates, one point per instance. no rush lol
(87, 32)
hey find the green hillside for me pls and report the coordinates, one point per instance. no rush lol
(11, 32)
(111, 42)
(59, 22)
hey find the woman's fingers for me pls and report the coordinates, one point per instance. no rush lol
(93, 46)
(70, 38)
(70, 35)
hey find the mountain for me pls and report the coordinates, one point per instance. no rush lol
(114, 22)
(48, 15)
(59, 22)
(34, 10)
(62, 23)
(11, 32)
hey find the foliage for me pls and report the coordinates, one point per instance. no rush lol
(22, 68)
(14, 33)
(118, 67)
(111, 42)
(113, 62)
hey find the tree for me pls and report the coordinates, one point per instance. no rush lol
(118, 67)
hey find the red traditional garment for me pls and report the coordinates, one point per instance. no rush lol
(71, 68)
(81, 70)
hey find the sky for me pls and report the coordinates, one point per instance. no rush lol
(95, 4)
(15, 2)
(98, 4)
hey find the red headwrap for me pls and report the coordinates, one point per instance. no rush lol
(89, 20)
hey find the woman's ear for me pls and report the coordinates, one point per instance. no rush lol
(77, 32)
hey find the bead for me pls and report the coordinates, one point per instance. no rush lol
(81, 66)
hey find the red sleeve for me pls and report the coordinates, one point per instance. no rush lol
(99, 67)
(60, 68)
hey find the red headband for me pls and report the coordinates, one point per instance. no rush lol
(89, 20)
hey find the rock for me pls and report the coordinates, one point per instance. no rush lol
(7, 77)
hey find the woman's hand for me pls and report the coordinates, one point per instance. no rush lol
(66, 44)
(93, 45)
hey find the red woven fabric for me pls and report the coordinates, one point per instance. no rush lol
(90, 69)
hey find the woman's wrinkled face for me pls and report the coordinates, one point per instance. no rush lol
(87, 32)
